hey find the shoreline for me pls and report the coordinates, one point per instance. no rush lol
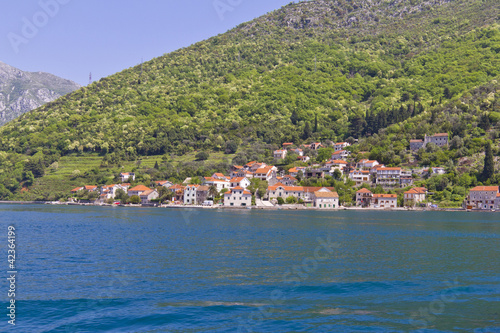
(287, 208)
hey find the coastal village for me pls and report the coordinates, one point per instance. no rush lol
(282, 187)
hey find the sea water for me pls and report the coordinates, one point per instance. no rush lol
(114, 269)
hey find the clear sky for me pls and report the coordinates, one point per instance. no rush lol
(71, 38)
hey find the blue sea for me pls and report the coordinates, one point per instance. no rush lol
(115, 269)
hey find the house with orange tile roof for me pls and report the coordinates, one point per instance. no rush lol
(341, 155)
(238, 197)
(385, 201)
(220, 176)
(326, 199)
(243, 182)
(76, 190)
(367, 164)
(287, 180)
(315, 145)
(265, 173)
(287, 145)
(284, 191)
(388, 177)
(280, 154)
(138, 190)
(178, 191)
(148, 196)
(414, 196)
(303, 159)
(309, 191)
(298, 151)
(483, 197)
(109, 191)
(164, 183)
(127, 176)
(360, 177)
(364, 198)
(220, 184)
(341, 146)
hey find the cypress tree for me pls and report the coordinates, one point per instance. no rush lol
(156, 165)
(315, 123)
(489, 164)
(307, 131)
(294, 118)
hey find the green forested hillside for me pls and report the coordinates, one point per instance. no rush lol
(356, 66)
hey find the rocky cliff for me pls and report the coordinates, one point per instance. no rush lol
(21, 92)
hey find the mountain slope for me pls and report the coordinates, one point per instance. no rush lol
(330, 59)
(21, 92)
(340, 62)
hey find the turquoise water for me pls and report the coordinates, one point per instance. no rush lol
(91, 269)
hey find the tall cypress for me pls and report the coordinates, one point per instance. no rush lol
(315, 123)
(307, 131)
(489, 164)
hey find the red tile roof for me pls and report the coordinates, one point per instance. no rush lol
(264, 170)
(139, 188)
(364, 190)
(286, 188)
(311, 189)
(237, 179)
(416, 190)
(394, 196)
(485, 188)
(326, 194)
(146, 193)
(338, 162)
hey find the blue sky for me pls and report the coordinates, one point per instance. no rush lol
(71, 38)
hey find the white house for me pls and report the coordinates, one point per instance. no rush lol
(304, 159)
(220, 176)
(280, 154)
(283, 191)
(287, 180)
(385, 200)
(127, 176)
(242, 182)
(265, 173)
(238, 197)
(164, 183)
(341, 155)
(190, 194)
(298, 151)
(219, 183)
(295, 171)
(360, 176)
(109, 191)
(147, 196)
(340, 146)
(388, 176)
(414, 196)
(367, 164)
(326, 199)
